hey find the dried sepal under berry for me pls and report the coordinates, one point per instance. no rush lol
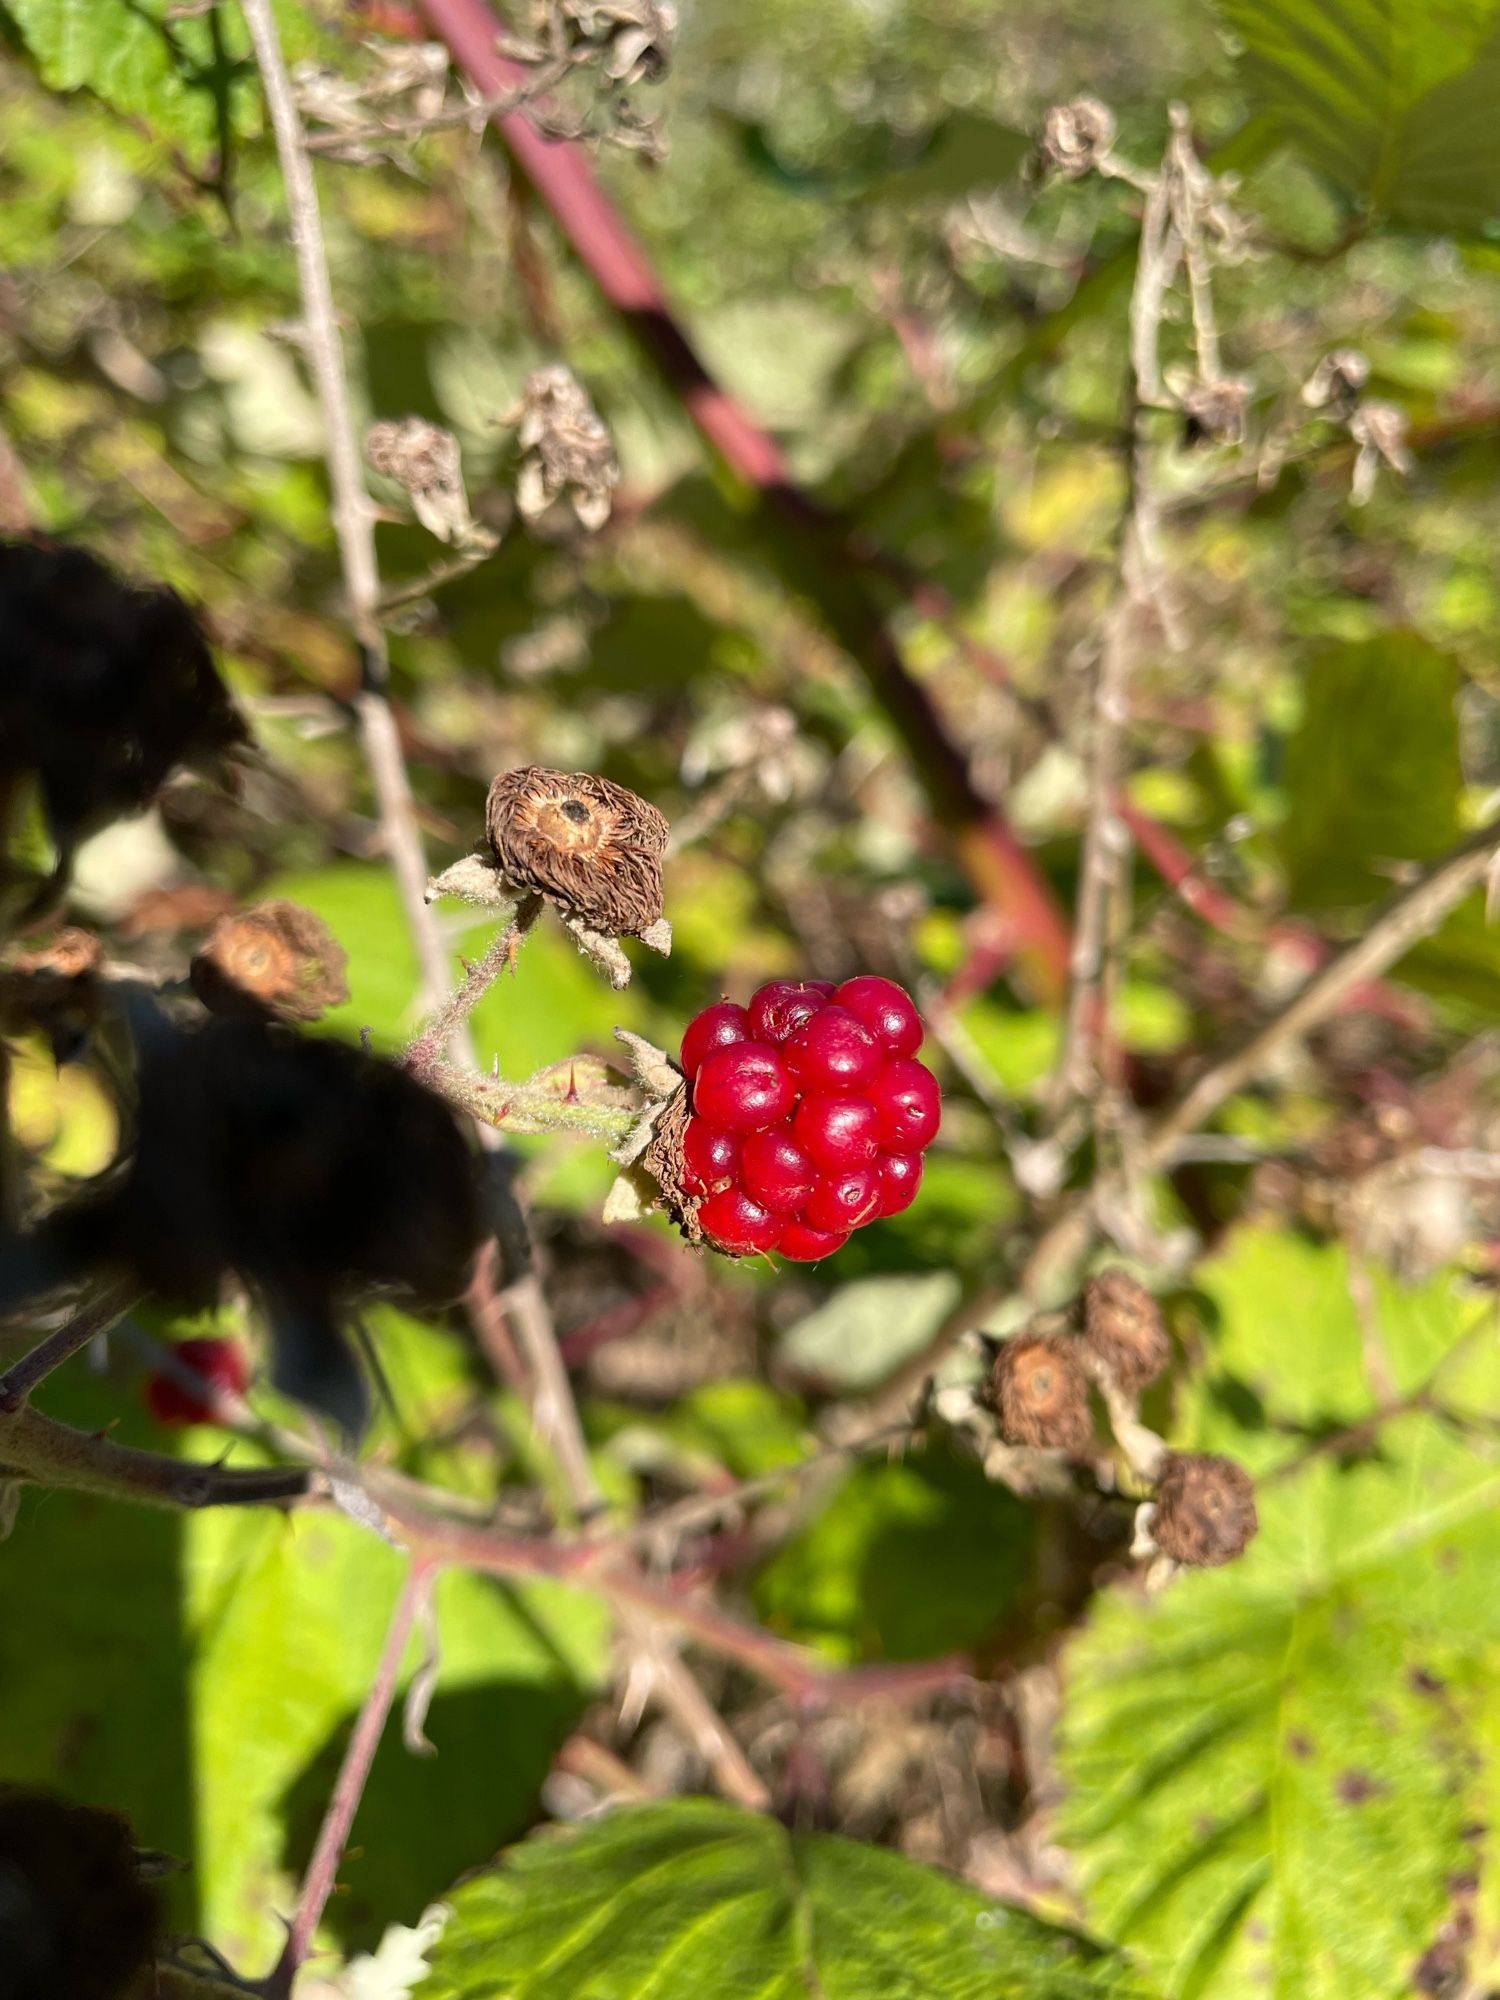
(589, 846)
(1205, 1509)
(276, 959)
(1123, 1330)
(1040, 1395)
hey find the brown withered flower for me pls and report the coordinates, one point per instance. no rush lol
(276, 959)
(1205, 1509)
(77, 1921)
(1122, 1328)
(567, 451)
(108, 686)
(589, 846)
(1075, 138)
(1040, 1394)
(53, 990)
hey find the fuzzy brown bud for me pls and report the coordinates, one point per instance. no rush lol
(587, 845)
(1040, 1395)
(1122, 1329)
(1205, 1509)
(275, 959)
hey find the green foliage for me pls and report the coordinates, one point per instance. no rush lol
(682, 1900)
(867, 1329)
(905, 1561)
(1393, 99)
(1276, 1770)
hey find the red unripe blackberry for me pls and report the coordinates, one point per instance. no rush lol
(885, 1010)
(809, 1246)
(837, 1133)
(717, 1027)
(776, 1172)
(710, 1158)
(738, 1224)
(223, 1368)
(900, 1177)
(743, 1088)
(910, 1104)
(845, 1201)
(833, 1051)
(779, 1008)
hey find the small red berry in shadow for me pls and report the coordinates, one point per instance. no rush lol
(776, 1172)
(779, 1008)
(710, 1158)
(715, 1028)
(743, 1088)
(885, 1010)
(837, 1133)
(833, 1051)
(224, 1369)
(900, 1177)
(910, 1104)
(738, 1224)
(809, 1246)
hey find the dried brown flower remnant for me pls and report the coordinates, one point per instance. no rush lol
(1076, 138)
(1040, 1394)
(54, 990)
(1379, 429)
(424, 459)
(1122, 1328)
(589, 846)
(108, 685)
(567, 450)
(1337, 383)
(1215, 411)
(275, 959)
(635, 35)
(77, 1922)
(1205, 1509)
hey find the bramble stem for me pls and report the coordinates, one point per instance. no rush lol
(42, 1451)
(17, 1383)
(426, 1052)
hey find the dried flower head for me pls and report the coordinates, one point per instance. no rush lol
(313, 1171)
(1379, 429)
(1076, 138)
(1122, 1328)
(54, 990)
(1215, 411)
(566, 450)
(108, 686)
(424, 459)
(1040, 1395)
(77, 1921)
(1337, 383)
(1205, 1509)
(275, 959)
(589, 846)
(636, 36)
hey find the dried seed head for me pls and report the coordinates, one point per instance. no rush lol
(589, 846)
(1215, 411)
(1039, 1392)
(276, 959)
(77, 1921)
(634, 36)
(107, 687)
(1122, 1328)
(662, 1160)
(1337, 382)
(54, 990)
(1379, 429)
(1076, 138)
(424, 459)
(1205, 1509)
(566, 450)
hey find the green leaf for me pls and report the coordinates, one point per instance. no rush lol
(907, 1561)
(1392, 99)
(695, 1898)
(1373, 769)
(867, 1329)
(1275, 1769)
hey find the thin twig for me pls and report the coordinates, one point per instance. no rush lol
(40, 1450)
(111, 1306)
(1404, 921)
(450, 1019)
(353, 515)
(333, 1835)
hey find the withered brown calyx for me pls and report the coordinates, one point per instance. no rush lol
(277, 959)
(589, 846)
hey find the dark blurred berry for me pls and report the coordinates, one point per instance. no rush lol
(76, 1920)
